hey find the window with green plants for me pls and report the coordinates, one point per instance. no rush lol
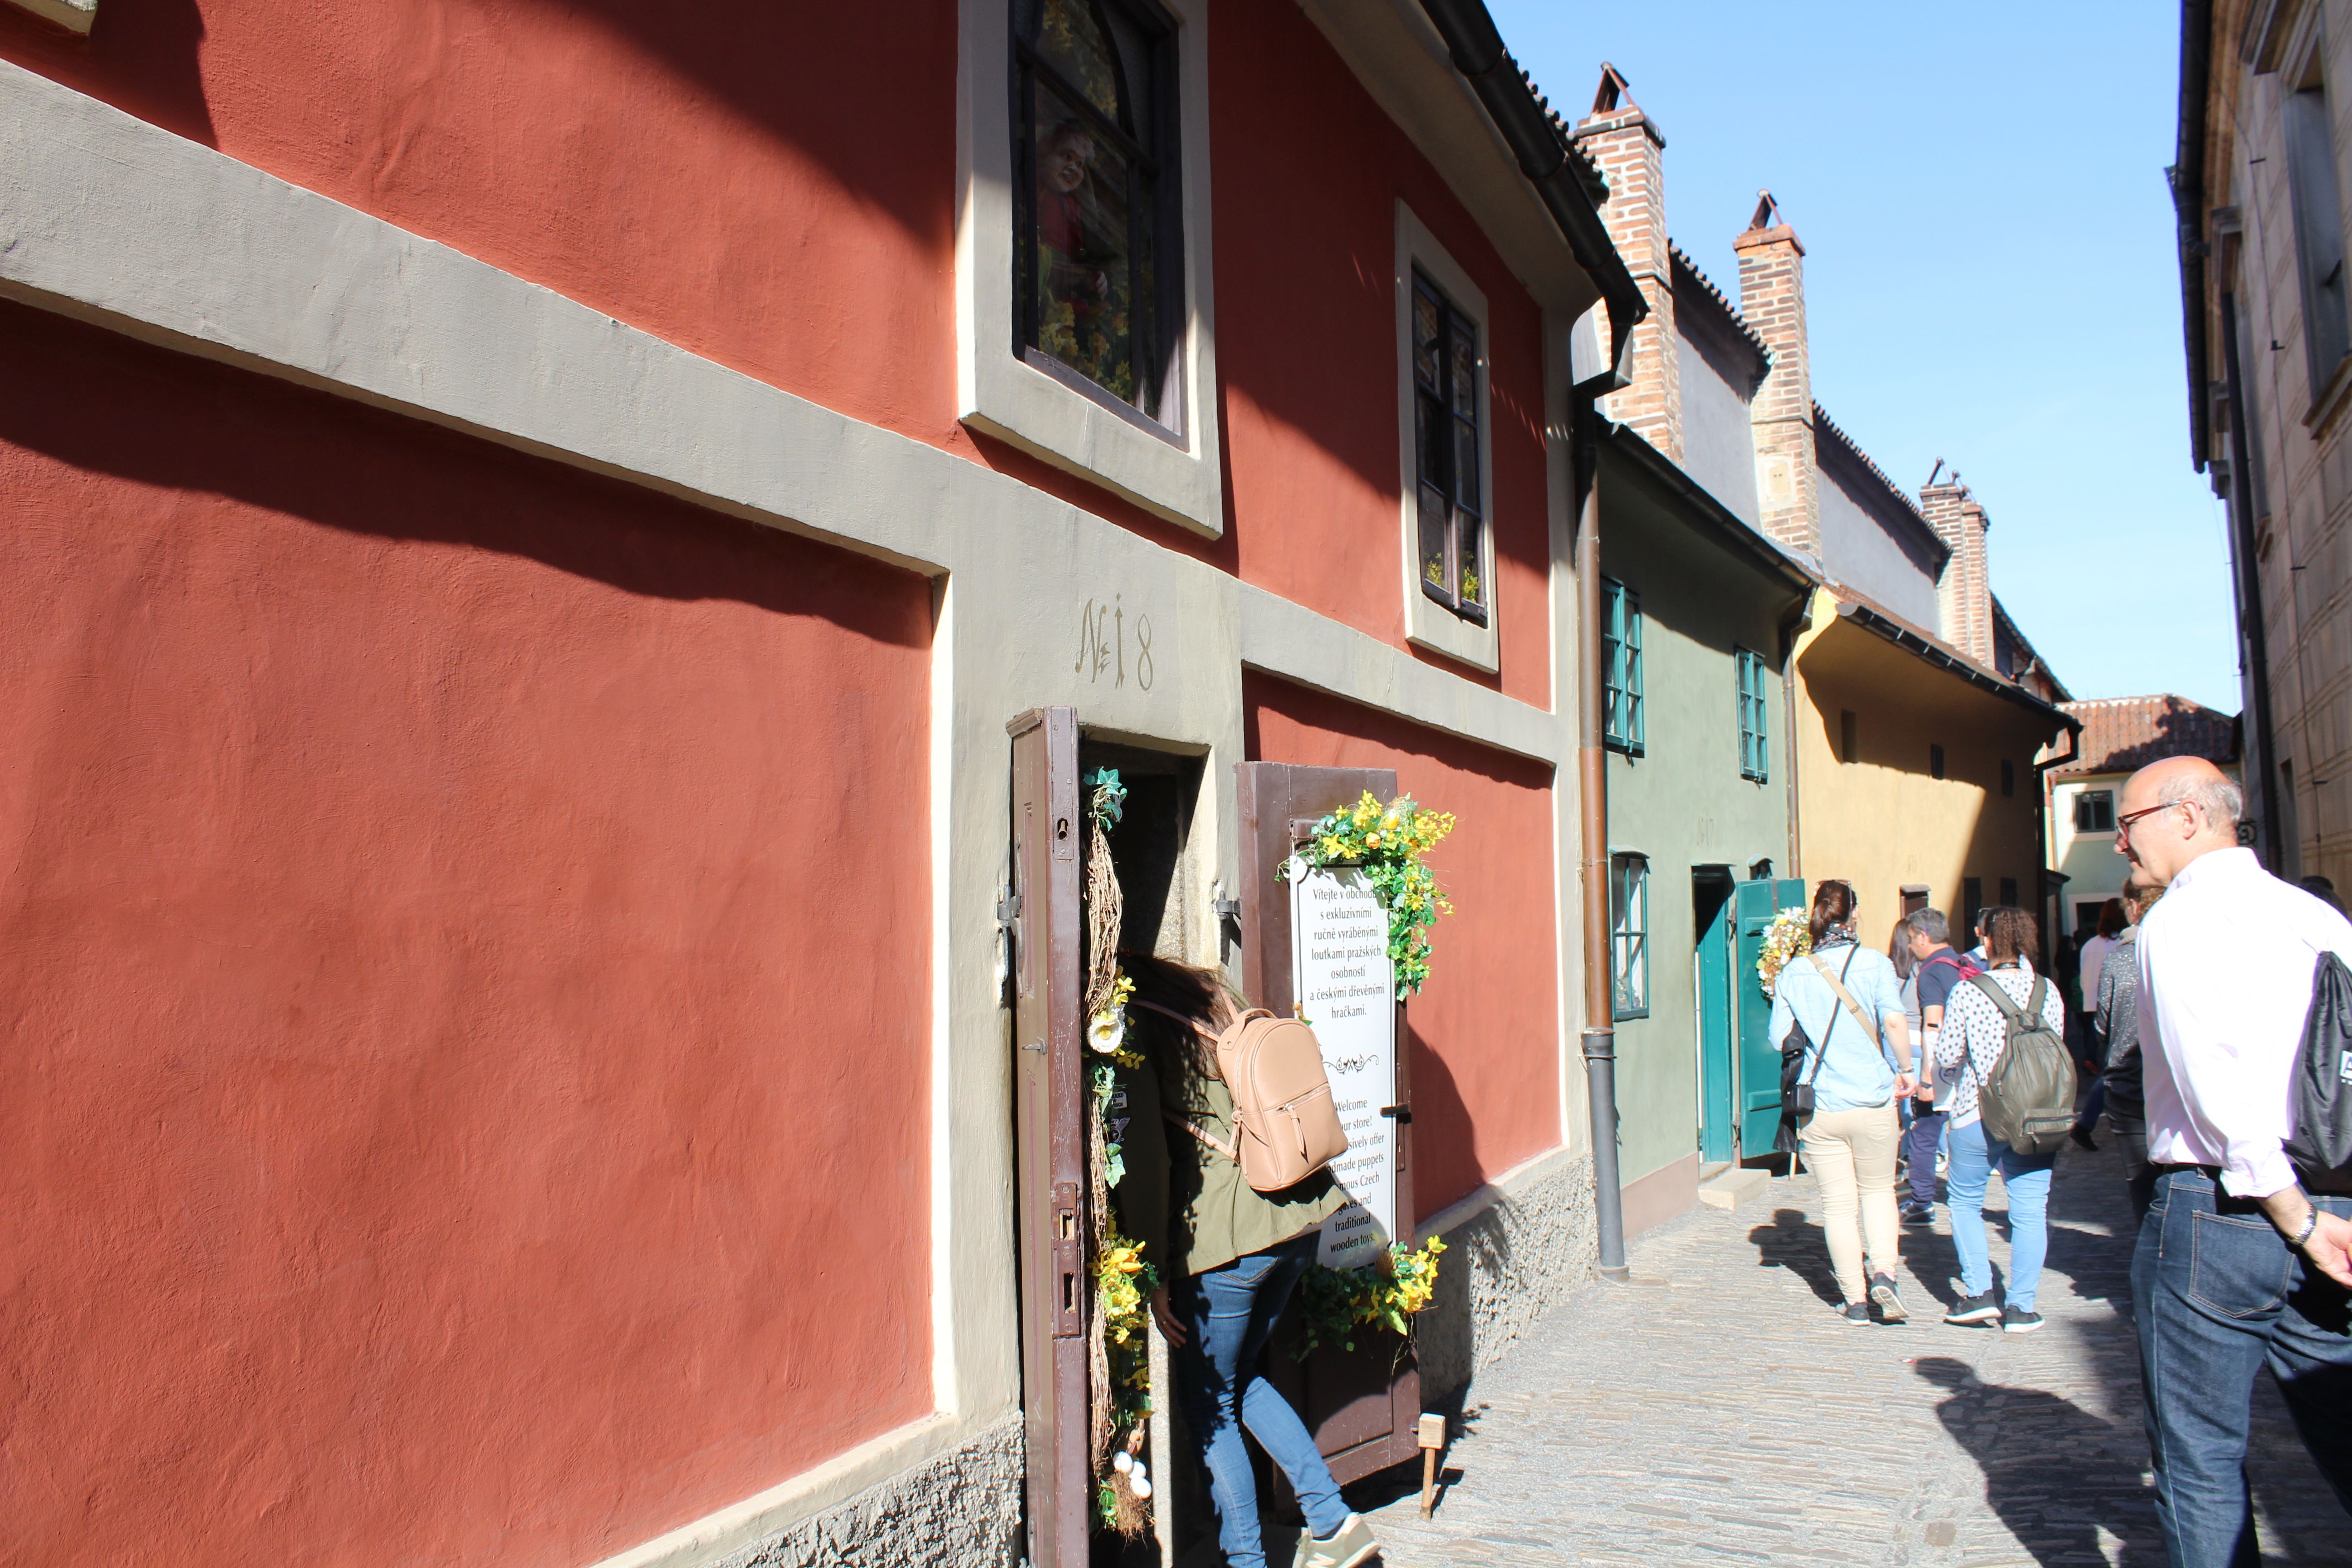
(1623, 720)
(1629, 903)
(1755, 740)
(1451, 504)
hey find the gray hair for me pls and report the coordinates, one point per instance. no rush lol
(1929, 923)
(2222, 802)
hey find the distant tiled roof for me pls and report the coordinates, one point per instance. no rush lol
(1731, 315)
(2121, 733)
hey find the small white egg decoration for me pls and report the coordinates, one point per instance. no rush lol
(1122, 1461)
(1141, 1485)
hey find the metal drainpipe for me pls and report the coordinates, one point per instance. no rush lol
(1600, 1038)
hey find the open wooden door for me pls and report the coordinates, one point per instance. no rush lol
(1042, 914)
(1754, 903)
(1361, 1406)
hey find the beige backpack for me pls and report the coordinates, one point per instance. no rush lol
(1285, 1126)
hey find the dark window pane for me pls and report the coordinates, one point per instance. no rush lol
(1473, 589)
(1465, 368)
(1071, 39)
(1433, 542)
(1424, 339)
(1465, 464)
(1086, 284)
(1429, 437)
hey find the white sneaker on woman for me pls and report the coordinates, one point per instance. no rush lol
(1352, 1545)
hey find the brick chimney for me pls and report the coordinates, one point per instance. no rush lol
(1627, 143)
(1772, 297)
(1964, 593)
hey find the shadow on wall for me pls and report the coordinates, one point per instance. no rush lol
(147, 53)
(218, 430)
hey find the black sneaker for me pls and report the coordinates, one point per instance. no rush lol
(1857, 1314)
(1890, 1300)
(2013, 1321)
(1974, 1310)
(1918, 1213)
(2082, 1137)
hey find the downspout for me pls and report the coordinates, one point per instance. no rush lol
(2074, 732)
(1792, 628)
(1600, 1038)
(2251, 629)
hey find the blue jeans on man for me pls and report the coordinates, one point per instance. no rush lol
(1231, 1310)
(1919, 1147)
(2026, 1178)
(2217, 1295)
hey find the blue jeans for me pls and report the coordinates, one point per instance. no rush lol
(1230, 1310)
(2027, 1178)
(1926, 1133)
(2217, 1295)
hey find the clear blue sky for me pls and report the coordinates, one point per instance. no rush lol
(1989, 274)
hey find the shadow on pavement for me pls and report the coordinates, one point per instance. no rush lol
(1796, 1244)
(2054, 1472)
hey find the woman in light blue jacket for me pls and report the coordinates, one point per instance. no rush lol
(1851, 1136)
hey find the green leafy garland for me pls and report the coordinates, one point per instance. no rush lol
(1335, 1304)
(1387, 843)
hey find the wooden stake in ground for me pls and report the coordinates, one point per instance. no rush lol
(1431, 1435)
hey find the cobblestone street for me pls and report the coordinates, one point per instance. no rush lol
(1717, 1410)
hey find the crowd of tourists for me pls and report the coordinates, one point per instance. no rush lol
(2207, 1019)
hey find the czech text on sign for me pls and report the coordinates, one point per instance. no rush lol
(1346, 987)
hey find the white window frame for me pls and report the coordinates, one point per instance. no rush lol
(1428, 624)
(1176, 475)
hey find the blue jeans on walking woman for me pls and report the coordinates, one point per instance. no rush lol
(2218, 1296)
(2027, 1178)
(1230, 1310)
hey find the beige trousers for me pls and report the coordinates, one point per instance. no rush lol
(1852, 1153)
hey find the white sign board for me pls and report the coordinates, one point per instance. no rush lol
(1346, 987)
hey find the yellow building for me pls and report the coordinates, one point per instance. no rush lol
(1914, 765)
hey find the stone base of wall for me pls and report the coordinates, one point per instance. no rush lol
(962, 1510)
(1505, 1266)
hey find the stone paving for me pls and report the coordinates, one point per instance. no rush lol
(1717, 1410)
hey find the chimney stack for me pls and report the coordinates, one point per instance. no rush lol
(1627, 143)
(1964, 593)
(1772, 297)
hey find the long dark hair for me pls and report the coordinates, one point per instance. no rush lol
(2111, 919)
(1833, 904)
(1204, 1004)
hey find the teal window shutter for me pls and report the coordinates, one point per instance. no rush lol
(1755, 737)
(1622, 716)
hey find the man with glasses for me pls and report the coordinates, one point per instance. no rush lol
(2242, 1258)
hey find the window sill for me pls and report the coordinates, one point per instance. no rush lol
(74, 16)
(1624, 749)
(2331, 399)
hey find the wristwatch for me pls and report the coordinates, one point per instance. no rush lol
(2310, 1223)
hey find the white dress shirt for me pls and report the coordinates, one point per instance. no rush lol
(2225, 965)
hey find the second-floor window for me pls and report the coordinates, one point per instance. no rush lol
(1622, 719)
(1755, 744)
(1098, 289)
(2095, 811)
(1453, 511)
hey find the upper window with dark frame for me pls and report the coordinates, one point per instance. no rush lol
(1098, 278)
(2095, 811)
(1624, 721)
(2318, 228)
(1453, 508)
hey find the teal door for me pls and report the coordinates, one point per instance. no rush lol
(1719, 1118)
(1753, 905)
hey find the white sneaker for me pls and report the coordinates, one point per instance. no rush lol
(1352, 1545)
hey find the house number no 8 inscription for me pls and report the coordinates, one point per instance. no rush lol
(1105, 634)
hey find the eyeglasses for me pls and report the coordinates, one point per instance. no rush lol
(2124, 823)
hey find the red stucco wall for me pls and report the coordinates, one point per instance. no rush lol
(1486, 1030)
(774, 187)
(464, 941)
(1307, 170)
(769, 186)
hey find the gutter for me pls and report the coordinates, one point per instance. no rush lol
(2052, 879)
(2188, 179)
(1910, 641)
(1476, 47)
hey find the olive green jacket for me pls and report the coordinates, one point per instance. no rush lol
(1186, 1201)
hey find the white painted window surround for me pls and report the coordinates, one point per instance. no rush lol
(1428, 624)
(1180, 479)
(76, 14)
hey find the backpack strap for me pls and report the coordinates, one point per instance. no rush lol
(1220, 1145)
(1837, 984)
